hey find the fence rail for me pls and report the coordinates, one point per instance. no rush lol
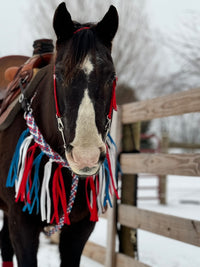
(95, 252)
(174, 164)
(177, 228)
(165, 106)
(126, 261)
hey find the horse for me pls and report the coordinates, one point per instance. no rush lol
(71, 106)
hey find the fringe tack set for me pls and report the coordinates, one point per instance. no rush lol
(26, 168)
(24, 175)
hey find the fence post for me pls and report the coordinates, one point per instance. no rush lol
(163, 178)
(130, 143)
(111, 213)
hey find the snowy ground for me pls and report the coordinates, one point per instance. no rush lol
(183, 200)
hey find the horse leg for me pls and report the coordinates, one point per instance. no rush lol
(72, 242)
(6, 246)
(24, 234)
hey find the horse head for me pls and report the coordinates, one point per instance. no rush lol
(85, 76)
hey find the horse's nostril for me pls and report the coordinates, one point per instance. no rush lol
(102, 149)
(69, 148)
(102, 156)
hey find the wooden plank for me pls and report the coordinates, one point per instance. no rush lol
(181, 229)
(111, 236)
(147, 187)
(174, 104)
(184, 145)
(95, 252)
(175, 164)
(163, 178)
(111, 213)
(147, 198)
(130, 142)
(126, 261)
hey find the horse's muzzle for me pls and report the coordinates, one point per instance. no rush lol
(86, 161)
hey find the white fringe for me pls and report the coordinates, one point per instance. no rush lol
(112, 154)
(22, 160)
(101, 195)
(45, 200)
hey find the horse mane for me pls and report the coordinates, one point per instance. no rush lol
(81, 44)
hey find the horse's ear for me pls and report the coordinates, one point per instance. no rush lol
(107, 27)
(62, 23)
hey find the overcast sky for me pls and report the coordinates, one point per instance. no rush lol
(167, 13)
(164, 15)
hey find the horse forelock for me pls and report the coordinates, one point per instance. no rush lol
(75, 52)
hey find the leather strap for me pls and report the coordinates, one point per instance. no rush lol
(13, 109)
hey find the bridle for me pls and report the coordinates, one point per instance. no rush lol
(58, 114)
(113, 105)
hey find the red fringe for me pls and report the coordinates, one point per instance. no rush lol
(7, 264)
(58, 190)
(93, 207)
(113, 103)
(26, 175)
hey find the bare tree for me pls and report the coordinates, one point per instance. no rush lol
(183, 47)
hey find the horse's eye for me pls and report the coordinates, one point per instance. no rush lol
(111, 79)
(59, 78)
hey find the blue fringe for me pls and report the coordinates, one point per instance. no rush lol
(107, 177)
(12, 174)
(112, 141)
(118, 166)
(107, 174)
(34, 190)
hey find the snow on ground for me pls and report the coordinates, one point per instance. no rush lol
(183, 197)
(183, 201)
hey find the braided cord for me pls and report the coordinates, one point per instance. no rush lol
(44, 146)
(39, 139)
(72, 197)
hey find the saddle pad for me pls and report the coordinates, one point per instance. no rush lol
(8, 116)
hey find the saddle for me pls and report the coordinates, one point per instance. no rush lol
(22, 78)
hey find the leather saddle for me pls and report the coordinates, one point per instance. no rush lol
(20, 78)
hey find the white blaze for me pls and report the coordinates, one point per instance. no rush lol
(86, 134)
(87, 144)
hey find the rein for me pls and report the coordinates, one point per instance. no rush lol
(58, 115)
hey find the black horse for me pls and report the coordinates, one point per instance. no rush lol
(79, 106)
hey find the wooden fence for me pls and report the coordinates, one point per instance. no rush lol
(181, 229)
